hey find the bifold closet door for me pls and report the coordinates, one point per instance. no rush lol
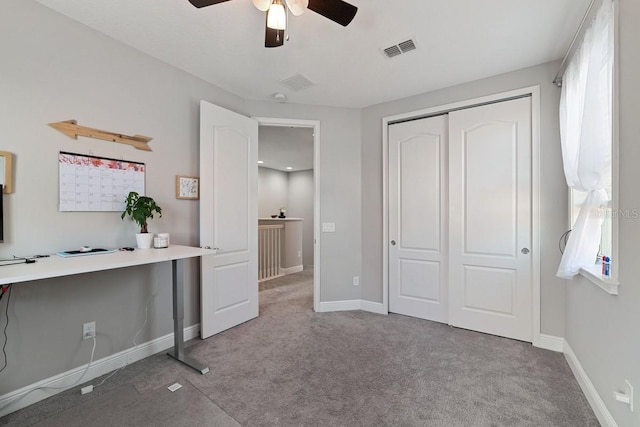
(490, 219)
(417, 218)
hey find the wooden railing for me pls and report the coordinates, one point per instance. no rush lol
(269, 251)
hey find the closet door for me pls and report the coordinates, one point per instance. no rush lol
(417, 213)
(490, 219)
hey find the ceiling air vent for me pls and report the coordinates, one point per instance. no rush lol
(392, 51)
(407, 46)
(297, 82)
(400, 48)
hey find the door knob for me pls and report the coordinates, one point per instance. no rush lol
(393, 243)
(525, 250)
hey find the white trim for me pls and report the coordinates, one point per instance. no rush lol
(373, 307)
(328, 306)
(593, 273)
(534, 91)
(535, 215)
(615, 144)
(442, 109)
(550, 342)
(385, 213)
(589, 390)
(291, 270)
(315, 124)
(352, 305)
(98, 368)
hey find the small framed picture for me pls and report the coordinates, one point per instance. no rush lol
(187, 187)
(6, 173)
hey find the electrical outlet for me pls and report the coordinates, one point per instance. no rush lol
(88, 330)
(328, 227)
(356, 281)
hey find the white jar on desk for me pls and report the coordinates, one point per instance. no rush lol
(161, 241)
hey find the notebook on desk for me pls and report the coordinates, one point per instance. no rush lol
(94, 251)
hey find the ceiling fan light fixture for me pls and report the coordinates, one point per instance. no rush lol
(262, 5)
(277, 16)
(297, 7)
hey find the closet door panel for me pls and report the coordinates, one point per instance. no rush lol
(417, 219)
(490, 219)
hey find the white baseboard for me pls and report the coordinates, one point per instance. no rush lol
(36, 392)
(291, 270)
(550, 342)
(356, 304)
(373, 307)
(589, 390)
(327, 306)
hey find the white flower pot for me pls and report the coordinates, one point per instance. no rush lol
(144, 240)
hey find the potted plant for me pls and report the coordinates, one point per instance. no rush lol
(141, 210)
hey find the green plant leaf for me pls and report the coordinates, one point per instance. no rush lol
(140, 209)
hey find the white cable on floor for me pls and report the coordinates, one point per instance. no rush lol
(61, 386)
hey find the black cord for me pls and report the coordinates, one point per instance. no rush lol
(6, 338)
(562, 243)
(26, 261)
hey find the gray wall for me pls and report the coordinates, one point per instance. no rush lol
(301, 192)
(553, 194)
(602, 329)
(273, 192)
(55, 69)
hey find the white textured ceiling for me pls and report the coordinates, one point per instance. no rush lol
(281, 146)
(458, 41)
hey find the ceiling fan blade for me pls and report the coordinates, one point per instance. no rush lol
(336, 10)
(262, 5)
(205, 3)
(297, 7)
(272, 38)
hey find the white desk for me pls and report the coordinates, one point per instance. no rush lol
(55, 266)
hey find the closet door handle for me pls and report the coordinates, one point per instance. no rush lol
(393, 243)
(525, 250)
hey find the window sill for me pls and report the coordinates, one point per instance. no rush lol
(594, 274)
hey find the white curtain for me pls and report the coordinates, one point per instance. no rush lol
(586, 136)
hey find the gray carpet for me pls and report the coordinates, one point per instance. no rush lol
(294, 367)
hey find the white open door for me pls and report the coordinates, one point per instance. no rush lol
(491, 219)
(228, 218)
(417, 218)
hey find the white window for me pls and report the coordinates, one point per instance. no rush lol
(587, 136)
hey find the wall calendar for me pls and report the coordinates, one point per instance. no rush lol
(97, 184)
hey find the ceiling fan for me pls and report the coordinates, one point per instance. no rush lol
(276, 14)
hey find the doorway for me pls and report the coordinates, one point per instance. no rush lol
(290, 179)
(461, 215)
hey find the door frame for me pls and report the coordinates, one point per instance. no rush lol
(534, 92)
(315, 125)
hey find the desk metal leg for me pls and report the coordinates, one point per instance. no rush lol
(178, 319)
